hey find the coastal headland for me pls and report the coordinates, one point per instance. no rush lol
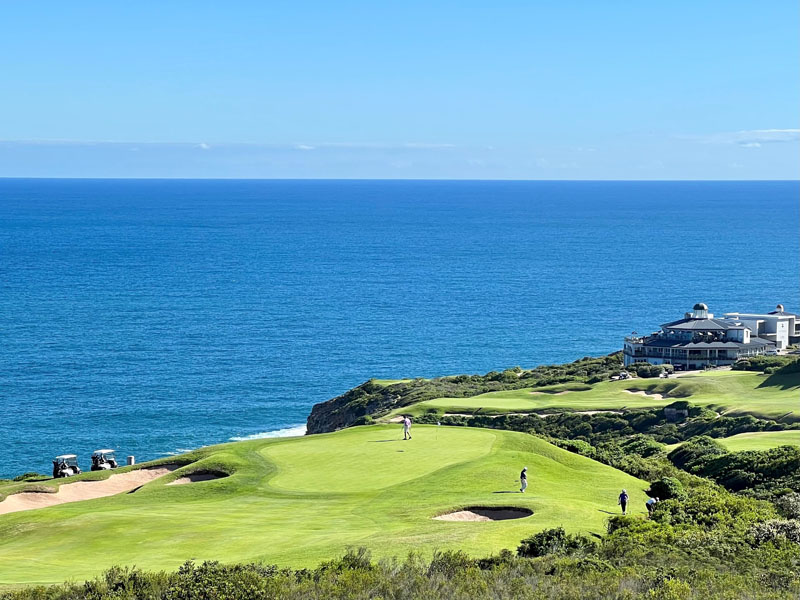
(296, 502)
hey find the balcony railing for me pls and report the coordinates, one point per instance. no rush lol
(694, 355)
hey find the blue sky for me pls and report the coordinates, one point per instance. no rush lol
(522, 90)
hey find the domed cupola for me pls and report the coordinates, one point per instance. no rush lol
(700, 311)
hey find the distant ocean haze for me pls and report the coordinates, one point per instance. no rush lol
(155, 315)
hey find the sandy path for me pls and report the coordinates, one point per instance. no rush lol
(509, 414)
(539, 414)
(643, 393)
(84, 490)
(596, 412)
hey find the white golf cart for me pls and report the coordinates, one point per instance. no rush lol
(65, 465)
(103, 460)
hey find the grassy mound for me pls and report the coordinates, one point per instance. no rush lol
(300, 501)
(729, 392)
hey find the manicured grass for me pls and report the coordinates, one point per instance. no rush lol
(387, 382)
(729, 392)
(757, 440)
(299, 501)
(761, 440)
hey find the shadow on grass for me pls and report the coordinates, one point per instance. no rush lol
(508, 492)
(381, 441)
(787, 381)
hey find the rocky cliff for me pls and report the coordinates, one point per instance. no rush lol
(370, 399)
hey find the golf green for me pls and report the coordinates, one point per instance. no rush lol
(299, 501)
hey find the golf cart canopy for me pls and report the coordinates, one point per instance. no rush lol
(106, 451)
(67, 457)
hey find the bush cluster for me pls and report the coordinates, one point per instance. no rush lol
(776, 530)
(556, 541)
(789, 505)
(646, 370)
(609, 426)
(782, 364)
(765, 473)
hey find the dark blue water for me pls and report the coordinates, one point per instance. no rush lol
(153, 316)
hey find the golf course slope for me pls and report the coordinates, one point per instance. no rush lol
(731, 393)
(299, 501)
(761, 440)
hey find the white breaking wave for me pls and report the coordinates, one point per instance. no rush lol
(287, 432)
(179, 451)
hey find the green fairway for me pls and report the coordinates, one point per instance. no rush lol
(757, 440)
(299, 501)
(761, 440)
(729, 392)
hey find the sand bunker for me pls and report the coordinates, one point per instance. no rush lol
(195, 477)
(84, 490)
(482, 513)
(648, 394)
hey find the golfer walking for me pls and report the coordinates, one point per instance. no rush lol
(523, 480)
(623, 501)
(407, 428)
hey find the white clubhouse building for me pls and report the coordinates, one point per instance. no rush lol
(699, 339)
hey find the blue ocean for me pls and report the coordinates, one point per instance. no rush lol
(154, 316)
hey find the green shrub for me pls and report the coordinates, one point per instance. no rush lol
(790, 367)
(449, 563)
(762, 363)
(776, 529)
(789, 505)
(667, 488)
(576, 446)
(670, 589)
(692, 455)
(555, 541)
(641, 445)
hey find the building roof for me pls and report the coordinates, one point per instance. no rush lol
(689, 324)
(783, 313)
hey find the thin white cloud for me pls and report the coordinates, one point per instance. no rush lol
(233, 145)
(750, 138)
(376, 146)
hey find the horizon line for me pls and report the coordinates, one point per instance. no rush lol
(644, 180)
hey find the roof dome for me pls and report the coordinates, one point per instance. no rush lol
(700, 306)
(779, 307)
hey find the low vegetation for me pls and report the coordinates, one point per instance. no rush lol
(762, 473)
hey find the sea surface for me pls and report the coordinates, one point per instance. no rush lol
(154, 316)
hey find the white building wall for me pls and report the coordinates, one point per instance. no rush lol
(782, 334)
(776, 328)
